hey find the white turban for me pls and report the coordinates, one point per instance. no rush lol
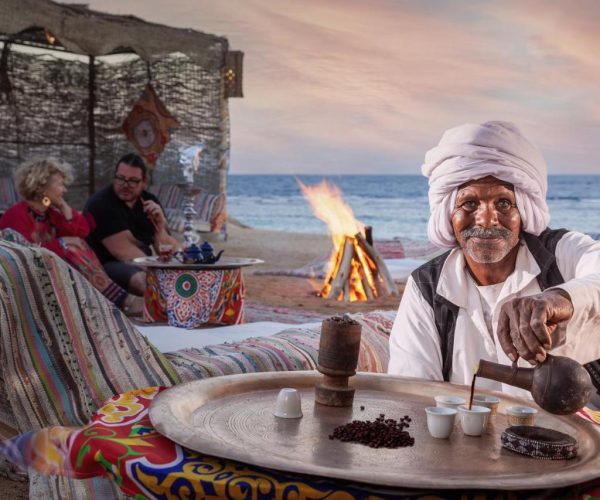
(471, 152)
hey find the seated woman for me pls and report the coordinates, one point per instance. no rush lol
(45, 218)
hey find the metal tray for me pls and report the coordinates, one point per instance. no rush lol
(222, 263)
(231, 417)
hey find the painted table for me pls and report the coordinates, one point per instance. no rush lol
(192, 295)
(121, 443)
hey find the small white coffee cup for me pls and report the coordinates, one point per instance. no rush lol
(491, 402)
(440, 421)
(473, 421)
(288, 404)
(520, 415)
(448, 401)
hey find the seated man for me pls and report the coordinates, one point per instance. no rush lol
(129, 221)
(510, 289)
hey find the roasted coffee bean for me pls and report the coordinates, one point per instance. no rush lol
(379, 433)
(343, 320)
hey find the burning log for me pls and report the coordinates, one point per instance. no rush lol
(358, 273)
(379, 263)
(343, 273)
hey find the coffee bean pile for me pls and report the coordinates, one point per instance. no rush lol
(379, 433)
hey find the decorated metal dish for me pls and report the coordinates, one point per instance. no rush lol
(232, 417)
(539, 442)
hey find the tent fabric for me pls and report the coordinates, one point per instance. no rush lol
(87, 32)
(64, 104)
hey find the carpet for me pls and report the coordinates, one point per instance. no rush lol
(258, 312)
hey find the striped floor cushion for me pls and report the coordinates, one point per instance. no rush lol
(64, 350)
(293, 349)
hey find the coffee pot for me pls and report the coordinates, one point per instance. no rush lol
(559, 385)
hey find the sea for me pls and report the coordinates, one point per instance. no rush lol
(396, 206)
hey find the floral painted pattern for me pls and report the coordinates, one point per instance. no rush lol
(121, 443)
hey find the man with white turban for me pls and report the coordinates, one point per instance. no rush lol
(509, 289)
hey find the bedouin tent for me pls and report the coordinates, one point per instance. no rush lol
(70, 76)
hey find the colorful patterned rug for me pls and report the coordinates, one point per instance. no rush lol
(254, 313)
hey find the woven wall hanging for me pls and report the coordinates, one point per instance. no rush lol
(149, 125)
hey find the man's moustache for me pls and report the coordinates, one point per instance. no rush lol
(486, 234)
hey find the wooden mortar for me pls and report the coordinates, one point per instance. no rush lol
(339, 347)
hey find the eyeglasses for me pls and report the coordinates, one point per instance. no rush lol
(130, 182)
(503, 207)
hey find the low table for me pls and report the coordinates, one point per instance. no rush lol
(232, 417)
(121, 443)
(192, 295)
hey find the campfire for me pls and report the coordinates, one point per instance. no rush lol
(356, 270)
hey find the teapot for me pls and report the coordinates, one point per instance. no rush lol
(208, 256)
(194, 254)
(559, 385)
(190, 255)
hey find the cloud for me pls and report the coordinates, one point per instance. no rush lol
(370, 86)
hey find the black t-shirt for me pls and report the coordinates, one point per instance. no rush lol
(112, 215)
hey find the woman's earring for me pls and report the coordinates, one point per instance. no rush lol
(46, 201)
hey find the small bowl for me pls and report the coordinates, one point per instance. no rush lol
(491, 402)
(520, 415)
(448, 401)
(440, 421)
(288, 404)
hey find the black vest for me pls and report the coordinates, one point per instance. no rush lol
(426, 277)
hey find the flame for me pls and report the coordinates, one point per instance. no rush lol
(328, 205)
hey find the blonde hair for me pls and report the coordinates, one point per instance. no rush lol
(31, 176)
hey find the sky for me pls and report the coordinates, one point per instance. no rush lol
(368, 86)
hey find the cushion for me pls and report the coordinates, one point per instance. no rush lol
(210, 208)
(64, 350)
(71, 349)
(9, 234)
(293, 349)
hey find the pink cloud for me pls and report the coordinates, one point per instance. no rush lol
(383, 79)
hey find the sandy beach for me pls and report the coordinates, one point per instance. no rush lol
(281, 252)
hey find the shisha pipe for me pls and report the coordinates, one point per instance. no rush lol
(189, 157)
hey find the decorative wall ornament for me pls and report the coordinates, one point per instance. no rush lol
(149, 125)
(232, 74)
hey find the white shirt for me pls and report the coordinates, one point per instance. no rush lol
(414, 339)
(489, 295)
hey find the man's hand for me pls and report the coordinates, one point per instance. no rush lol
(165, 239)
(155, 214)
(527, 324)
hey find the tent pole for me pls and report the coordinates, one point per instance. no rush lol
(91, 124)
